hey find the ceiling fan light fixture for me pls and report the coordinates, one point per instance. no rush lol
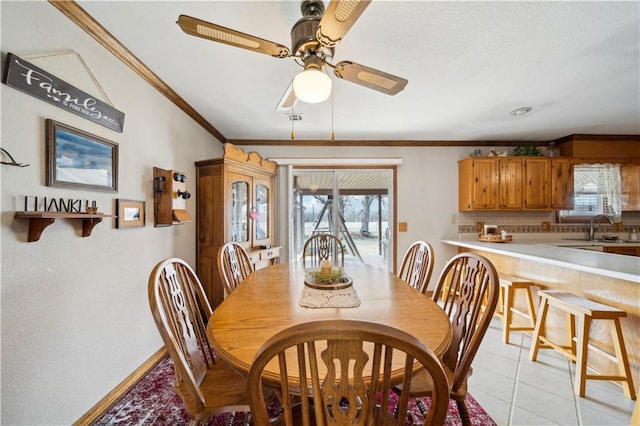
(312, 86)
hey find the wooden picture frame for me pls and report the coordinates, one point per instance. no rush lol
(77, 159)
(130, 213)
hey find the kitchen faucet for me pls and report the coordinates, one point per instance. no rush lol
(592, 229)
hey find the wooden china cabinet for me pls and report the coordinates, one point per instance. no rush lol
(235, 202)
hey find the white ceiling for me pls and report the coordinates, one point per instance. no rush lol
(468, 64)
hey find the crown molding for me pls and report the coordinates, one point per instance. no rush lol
(81, 18)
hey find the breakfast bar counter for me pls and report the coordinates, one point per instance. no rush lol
(552, 263)
(562, 253)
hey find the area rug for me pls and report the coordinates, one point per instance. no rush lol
(153, 401)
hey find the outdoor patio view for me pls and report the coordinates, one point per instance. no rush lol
(360, 219)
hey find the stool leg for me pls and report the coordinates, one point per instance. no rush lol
(532, 308)
(571, 334)
(507, 314)
(583, 326)
(623, 361)
(539, 331)
(500, 305)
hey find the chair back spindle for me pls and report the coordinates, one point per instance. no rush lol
(417, 265)
(234, 266)
(321, 247)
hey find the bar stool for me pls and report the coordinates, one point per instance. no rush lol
(508, 287)
(581, 312)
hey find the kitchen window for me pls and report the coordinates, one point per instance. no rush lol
(597, 190)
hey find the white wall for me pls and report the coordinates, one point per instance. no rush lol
(75, 315)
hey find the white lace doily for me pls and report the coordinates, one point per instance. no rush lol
(314, 298)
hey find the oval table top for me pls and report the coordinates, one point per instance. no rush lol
(268, 302)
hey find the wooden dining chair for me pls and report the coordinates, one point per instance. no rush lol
(180, 309)
(321, 247)
(417, 266)
(465, 282)
(234, 266)
(351, 352)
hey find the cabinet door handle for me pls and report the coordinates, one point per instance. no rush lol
(269, 253)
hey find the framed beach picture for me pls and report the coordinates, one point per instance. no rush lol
(130, 213)
(77, 159)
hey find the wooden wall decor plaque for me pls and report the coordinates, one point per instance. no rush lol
(30, 79)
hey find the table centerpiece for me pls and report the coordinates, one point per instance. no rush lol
(327, 277)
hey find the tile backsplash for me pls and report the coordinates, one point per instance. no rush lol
(537, 222)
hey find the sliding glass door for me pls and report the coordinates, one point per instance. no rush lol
(354, 205)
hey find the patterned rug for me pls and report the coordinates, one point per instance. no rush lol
(153, 401)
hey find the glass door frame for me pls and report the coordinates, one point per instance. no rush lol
(391, 175)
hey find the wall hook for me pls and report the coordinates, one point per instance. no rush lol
(12, 162)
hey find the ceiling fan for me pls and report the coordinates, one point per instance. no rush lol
(313, 39)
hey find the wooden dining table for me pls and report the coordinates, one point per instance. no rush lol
(268, 302)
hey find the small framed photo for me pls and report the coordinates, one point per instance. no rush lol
(76, 159)
(130, 213)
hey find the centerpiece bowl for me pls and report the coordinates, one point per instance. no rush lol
(323, 280)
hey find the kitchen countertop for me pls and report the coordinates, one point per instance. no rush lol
(547, 250)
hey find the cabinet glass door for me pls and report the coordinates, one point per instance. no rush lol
(262, 212)
(239, 204)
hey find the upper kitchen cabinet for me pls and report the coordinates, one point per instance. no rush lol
(510, 181)
(515, 183)
(478, 184)
(630, 179)
(537, 179)
(561, 183)
(235, 202)
(600, 147)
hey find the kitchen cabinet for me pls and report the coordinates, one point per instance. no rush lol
(630, 179)
(537, 173)
(478, 184)
(515, 183)
(510, 185)
(235, 202)
(485, 185)
(609, 147)
(562, 183)
(626, 250)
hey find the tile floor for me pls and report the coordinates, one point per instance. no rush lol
(517, 391)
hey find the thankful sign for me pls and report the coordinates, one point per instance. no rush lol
(30, 79)
(70, 205)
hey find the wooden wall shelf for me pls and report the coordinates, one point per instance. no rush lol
(38, 221)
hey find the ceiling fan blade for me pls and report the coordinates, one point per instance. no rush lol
(209, 31)
(288, 99)
(338, 19)
(369, 77)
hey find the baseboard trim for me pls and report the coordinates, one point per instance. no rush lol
(105, 403)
